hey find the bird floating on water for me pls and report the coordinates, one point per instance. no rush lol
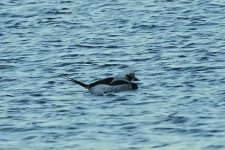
(125, 81)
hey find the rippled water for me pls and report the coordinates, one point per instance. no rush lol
(176, 48)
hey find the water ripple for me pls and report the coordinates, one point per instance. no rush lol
(176, 48)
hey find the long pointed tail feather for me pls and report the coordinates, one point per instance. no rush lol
(77, 82)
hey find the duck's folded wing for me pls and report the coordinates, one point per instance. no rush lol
(120, 82)
(106, 81)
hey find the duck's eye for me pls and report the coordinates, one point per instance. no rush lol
(129, 77)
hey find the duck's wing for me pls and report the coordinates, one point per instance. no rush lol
(120, 82)
(106, 81)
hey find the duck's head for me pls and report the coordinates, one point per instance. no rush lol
(128, 75)
(131, 77)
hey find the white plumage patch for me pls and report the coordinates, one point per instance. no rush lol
(101, 89)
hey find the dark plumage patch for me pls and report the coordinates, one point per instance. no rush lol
(134, 86)
(106, 81)
(129, 77)
(119, 82)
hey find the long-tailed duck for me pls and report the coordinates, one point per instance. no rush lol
(122, 82)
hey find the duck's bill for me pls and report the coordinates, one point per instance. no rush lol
(136, 79)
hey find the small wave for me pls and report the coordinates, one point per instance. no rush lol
(6, 66)
(143, 26)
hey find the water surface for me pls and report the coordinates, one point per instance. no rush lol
(176, 48)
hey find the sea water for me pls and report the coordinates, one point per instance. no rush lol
(176, 48)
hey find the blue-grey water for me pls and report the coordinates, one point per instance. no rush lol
(177, 48)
